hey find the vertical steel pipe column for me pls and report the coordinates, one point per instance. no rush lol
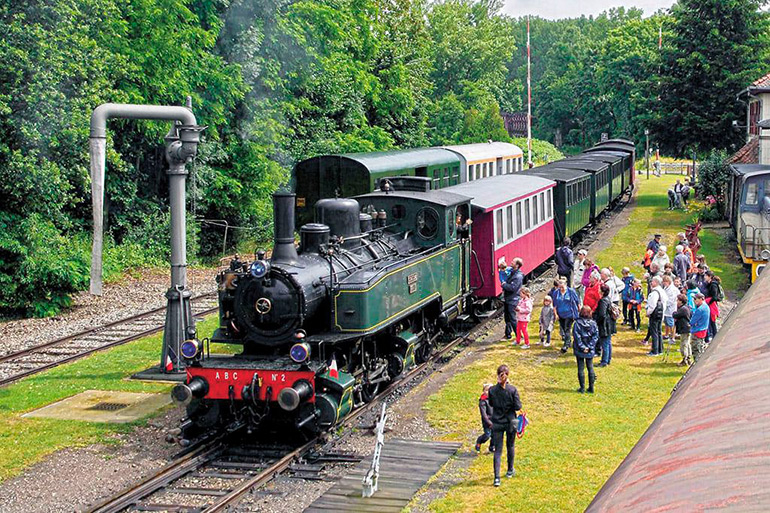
(181, 146)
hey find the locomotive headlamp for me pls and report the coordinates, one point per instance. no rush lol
(190, 348)
(765, 254)
(300, 352)
(260, 268)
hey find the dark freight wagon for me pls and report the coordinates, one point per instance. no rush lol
(600, 181)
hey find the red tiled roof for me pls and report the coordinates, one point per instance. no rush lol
(748, 154)
(763, 82)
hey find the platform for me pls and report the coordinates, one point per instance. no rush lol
(405, 467)
(155, 373)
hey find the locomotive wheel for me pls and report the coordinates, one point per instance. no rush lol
(423, 352)
(395, 365)
(369, 391)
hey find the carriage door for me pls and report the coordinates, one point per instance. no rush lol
(421, 171)
(500, 170)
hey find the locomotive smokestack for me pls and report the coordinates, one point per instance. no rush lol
(283, 223)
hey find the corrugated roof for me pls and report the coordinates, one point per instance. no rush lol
(496, 190)
(606, 155)
(748, 154)
(403, 159)
(442, 197)
(482, 151)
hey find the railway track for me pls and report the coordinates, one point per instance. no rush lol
(227, 473)
(32, 360)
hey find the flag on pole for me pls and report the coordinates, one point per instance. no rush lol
(333, 372)
(660, 37)
(529, 102)
(169, 364)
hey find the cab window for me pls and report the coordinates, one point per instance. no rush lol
(751, 193)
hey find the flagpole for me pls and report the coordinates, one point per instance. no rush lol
(529, 101)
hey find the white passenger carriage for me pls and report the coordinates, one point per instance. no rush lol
(483, 160)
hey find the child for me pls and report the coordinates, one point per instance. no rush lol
(554, 290)
(503, 270)
(486, 419)
(547, 316)
(635, 299)
(523, 313)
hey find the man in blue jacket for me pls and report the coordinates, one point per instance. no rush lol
(567, 305)
(511, 287)
(565, 260)
(699, 325)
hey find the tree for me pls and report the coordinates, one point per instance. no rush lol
(713, 177)
(717, 47)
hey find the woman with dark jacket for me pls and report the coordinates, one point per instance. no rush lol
(585, 334)
(682, 323)
(505, 402)
(713, 295)
(604, 323)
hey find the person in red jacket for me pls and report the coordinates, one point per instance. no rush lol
(593, 291)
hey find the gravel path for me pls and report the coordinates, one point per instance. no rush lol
(131, 296)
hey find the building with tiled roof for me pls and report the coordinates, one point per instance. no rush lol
(757, 147)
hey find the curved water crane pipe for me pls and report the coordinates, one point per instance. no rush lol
(181, 146)
(97, 142)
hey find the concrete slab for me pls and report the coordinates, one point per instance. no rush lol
(103, 406)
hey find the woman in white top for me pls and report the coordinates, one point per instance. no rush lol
(661, 258)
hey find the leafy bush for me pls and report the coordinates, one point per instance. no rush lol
(710, 214)
(713, 177)
(542, 151)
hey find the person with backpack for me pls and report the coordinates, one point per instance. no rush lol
(485, 409)
(603, 317)
(565, 260)
(635, 300)
(656, 303)
(585, 334)
(616, 286)
(505, 402)
(714, 295)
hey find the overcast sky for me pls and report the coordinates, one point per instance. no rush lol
(555, 9)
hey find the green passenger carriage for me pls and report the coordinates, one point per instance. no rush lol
(571, 198)
(352, 174)
(600, 181)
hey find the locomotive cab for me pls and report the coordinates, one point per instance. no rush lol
(749, 214)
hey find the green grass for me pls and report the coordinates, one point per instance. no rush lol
(574, 441)
(24, 441)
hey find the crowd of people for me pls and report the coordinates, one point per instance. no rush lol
(680, 299)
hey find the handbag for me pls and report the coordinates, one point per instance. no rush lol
(521, 424)
(614, 311)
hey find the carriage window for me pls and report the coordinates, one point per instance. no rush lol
(542, 206)
(507, 166)
(509, 221)
(534, 210)
(527, 215)
(455, 175)
(518, 218)
(499, 225)
(436, 179)
(446, 177)
(548, 195)
(751, 193)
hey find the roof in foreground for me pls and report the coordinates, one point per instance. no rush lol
(708, 449)
(496, 190)
(751, 169)
(487, 150)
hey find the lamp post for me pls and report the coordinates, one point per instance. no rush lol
(647, 151)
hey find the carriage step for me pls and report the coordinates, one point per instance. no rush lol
(463, 317)
(486, 314)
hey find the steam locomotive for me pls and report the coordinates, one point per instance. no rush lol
(323, 328)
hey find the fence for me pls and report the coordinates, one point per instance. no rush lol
(668, 168)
